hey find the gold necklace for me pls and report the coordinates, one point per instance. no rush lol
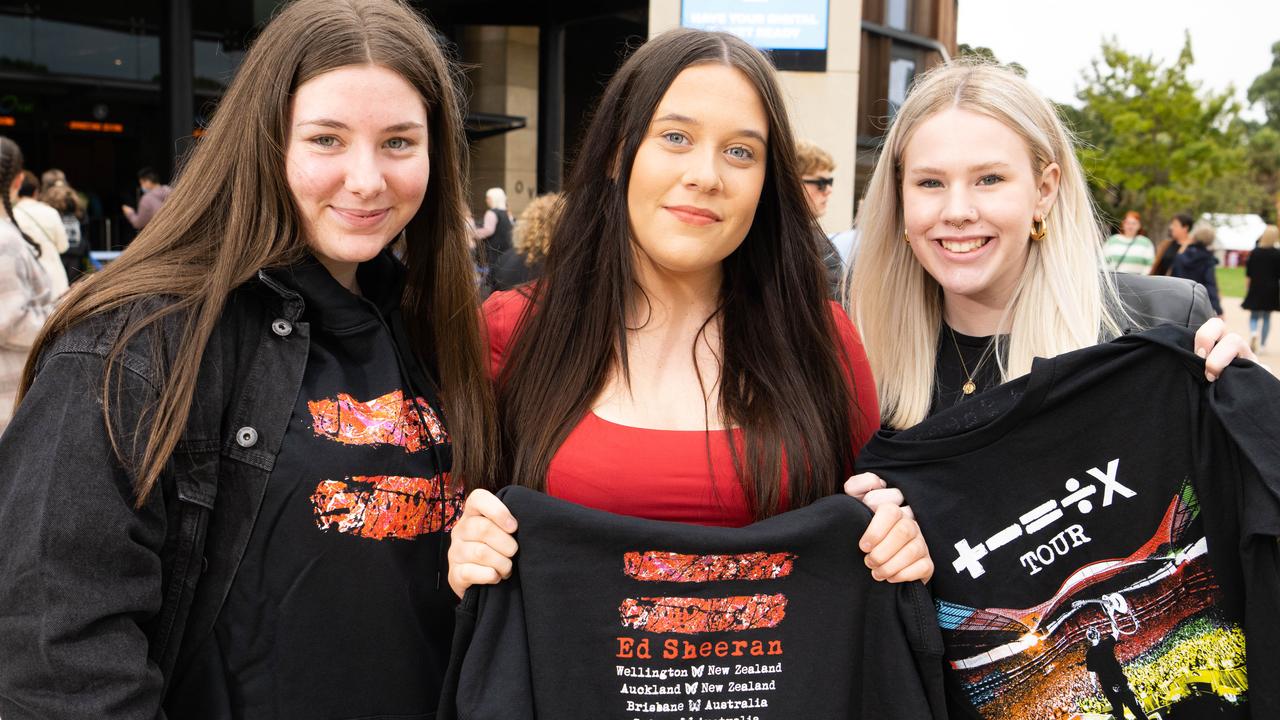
(969, 387)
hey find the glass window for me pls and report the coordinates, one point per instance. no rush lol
(902, 70)
(215, 66)
(61, 48)
(897, 14)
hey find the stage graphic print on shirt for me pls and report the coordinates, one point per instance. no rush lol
(386, 420)
(695, 657)
(387, 506)
(383, 507)
(1141, 634)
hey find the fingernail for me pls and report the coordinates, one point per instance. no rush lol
(1211, 377)
(1201, 352)
(875, 575)
(864, 547)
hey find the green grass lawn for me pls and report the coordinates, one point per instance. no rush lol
(1231, 282)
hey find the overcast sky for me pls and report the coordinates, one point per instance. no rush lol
(1230, 39)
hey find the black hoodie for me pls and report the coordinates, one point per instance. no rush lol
(339, 609)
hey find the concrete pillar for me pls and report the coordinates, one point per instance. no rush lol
(504, 80)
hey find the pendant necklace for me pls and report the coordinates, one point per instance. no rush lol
(969, 386)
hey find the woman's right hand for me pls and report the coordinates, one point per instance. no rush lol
(481, 543)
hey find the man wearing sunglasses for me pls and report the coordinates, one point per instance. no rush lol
(816, 167)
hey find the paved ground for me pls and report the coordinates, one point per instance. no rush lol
(1238, 320)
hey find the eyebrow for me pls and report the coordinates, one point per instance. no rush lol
(677, 117)
(995, 165)
(338, 125)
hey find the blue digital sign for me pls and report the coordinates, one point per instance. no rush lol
(766, 24)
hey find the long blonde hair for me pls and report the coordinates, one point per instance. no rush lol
(1064, 299)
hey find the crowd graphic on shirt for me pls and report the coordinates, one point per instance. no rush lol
(1141, 633)
(701, 658)
(381, 507)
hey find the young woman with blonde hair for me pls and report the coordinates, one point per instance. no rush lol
(981, 249)
(226, 490)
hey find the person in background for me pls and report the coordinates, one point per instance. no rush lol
(1129, 251)
(1179, 237)
(816, 168)
(227, 489)
(1195, 261)
(153, 196)
(26, 298)
(1262, 286)
(494, 231)
(43, 224)
(62, 197)
(529, 242)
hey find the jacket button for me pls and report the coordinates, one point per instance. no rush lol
(246, 437)
(282, 327)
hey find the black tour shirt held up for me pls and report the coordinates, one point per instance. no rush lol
(1105, 534)
(612, 617)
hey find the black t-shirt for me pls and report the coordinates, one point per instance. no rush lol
(339, 608)
(612, 617)
(1110, 504)
(960, 358)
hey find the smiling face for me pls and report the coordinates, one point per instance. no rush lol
(969, 194)
(698, 173)
(356, 162)
(1130, 226)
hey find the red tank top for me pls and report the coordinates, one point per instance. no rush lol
(676, 475)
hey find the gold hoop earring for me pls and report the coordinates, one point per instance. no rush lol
(1038, 229)
(906, 238)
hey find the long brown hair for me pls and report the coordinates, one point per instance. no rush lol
(231, 213)
(781, 378)
(10, 168)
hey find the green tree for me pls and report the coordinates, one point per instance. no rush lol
(1266, 89)
(1157, 142)
(986, 53)
(1264, 142)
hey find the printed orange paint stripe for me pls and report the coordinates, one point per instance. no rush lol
(387, 420)
(688, 616)
(385, 507)
(659, 566)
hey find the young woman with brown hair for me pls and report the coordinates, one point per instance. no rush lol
(679, 359)
(226, 487)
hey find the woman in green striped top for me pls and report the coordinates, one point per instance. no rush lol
(1128, 251)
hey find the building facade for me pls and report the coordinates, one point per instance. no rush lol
(103, 89)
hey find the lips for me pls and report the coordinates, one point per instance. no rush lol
(360, 218)
(962, 246)
(692, 215)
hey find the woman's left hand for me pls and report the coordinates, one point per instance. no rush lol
(895, 549)
(1219, 347)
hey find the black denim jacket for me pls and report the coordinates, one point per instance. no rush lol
(100, 603)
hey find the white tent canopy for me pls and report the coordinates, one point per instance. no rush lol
(1235, 232)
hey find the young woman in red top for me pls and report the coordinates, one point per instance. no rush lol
(679, 359)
